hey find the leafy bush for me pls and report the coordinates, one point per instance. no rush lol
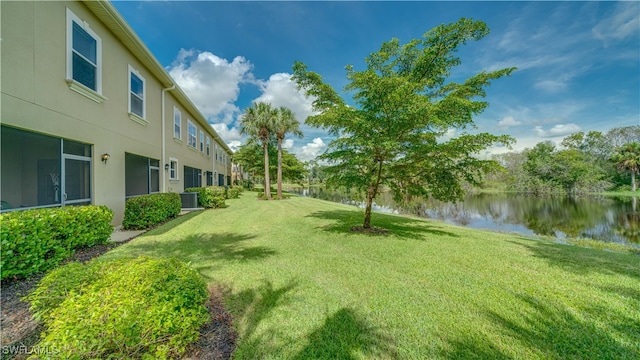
(624, 187)
(210, 197)
(39, 239)
(55, 287)
(144, 211)
(136, 308)
(234, 192)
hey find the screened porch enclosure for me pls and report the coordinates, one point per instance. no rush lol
(142, 175)
(42, 171)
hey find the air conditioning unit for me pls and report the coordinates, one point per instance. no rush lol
(189, 200)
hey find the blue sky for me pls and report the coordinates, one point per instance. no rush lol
(578, 62)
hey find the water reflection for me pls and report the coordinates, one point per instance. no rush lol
(598, 218)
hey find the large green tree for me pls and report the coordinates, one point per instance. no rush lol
(627, 158)
(257, 122)
(404, 103)
(284, 123)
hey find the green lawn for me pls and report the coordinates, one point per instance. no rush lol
(301, 286)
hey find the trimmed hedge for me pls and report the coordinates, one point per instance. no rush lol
(39, 239)
(121, 309)
(210, 196)
(142, 212)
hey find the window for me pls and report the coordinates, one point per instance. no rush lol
(192, 177)
(208, 146)
(177, 124)
(191, 134)
(201, 141)
(136, 94)
(209, 178)
(173, 169)
(84, 58)
(43, 171)
(142, 175)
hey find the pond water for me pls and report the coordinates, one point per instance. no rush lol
(610, 219)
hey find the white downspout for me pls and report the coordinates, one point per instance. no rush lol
(164, 142)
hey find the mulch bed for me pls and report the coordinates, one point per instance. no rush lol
(18, 330)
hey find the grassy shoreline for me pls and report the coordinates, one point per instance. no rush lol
(301, 285)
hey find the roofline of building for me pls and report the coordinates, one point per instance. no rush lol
(111, 18)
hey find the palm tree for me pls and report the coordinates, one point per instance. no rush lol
(257, 123)
(285, 123)
(627, 158)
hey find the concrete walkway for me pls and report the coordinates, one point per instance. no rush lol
(120, 235)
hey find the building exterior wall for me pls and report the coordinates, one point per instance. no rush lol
(36, 97)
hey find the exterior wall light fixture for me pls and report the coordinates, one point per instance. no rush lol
(105, 157)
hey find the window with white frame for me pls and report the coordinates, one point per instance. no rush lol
(201, 141)
(136, 93)
(177, 124)
(191, 134)
(173, 169)
(208, 146)
(84, 58)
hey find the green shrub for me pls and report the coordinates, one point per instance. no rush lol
(39, 239)
(56, 286)
(234, 192)
(624, 187)
(210, 196)
(142, 212)
(136, 308)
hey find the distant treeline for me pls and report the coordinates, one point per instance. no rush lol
(582, 163)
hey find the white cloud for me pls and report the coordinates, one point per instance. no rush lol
(551, 86)
(508, 121)
(287, 144)
(211, 82)
(280, 90)
(451, 132)
(557, 130)
(623, 23)
(311, 150)
(230, 135)
(234, 145)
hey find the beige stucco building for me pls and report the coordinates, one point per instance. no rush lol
(89, 116)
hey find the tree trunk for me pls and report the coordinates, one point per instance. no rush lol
(371, 194)
(279, 168)
(633, 181)
(367, 210)
(267, 182)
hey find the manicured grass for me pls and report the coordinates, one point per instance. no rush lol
(301, 286)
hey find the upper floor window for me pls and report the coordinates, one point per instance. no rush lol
(201, 141)
(84, 58)
(208, 146)
(177, 124)
(191, 134)
(136, 93)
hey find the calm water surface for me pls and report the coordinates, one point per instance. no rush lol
(600, 218)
